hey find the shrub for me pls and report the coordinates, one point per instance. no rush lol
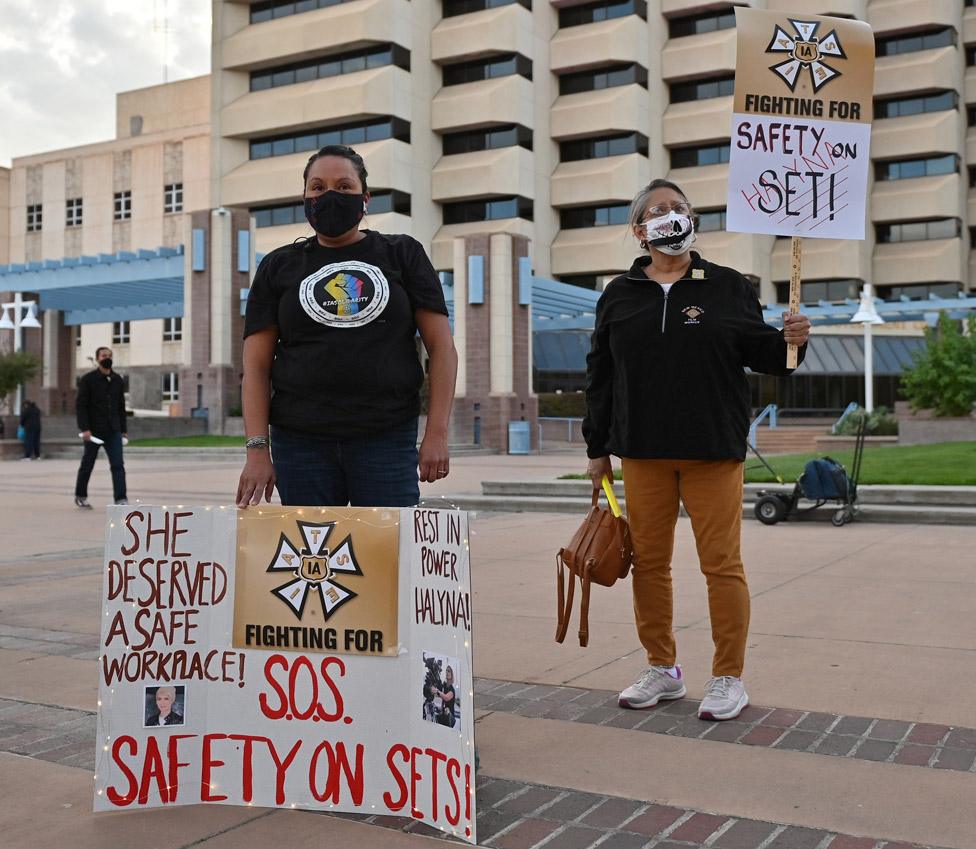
(562, 405)
(943, 378)
(880, 423)
(15, 369)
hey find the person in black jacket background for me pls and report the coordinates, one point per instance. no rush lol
(100, 411)
(666, 392)
(30, 421)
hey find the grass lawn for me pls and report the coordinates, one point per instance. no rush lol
(201, 441)
(944, 464)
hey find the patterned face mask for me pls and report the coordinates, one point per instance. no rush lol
(671, 234)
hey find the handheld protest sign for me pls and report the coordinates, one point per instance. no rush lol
(310, 658)
(801, 130)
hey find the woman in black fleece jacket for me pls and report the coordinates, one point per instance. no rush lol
(666, 392)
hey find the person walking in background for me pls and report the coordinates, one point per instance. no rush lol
(100, 410)
(30, 421)
(666, 392)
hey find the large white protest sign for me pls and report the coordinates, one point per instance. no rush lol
(312, 658)
(801, 125)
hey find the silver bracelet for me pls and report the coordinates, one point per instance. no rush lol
(257, 442)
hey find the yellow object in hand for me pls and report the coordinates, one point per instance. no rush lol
(611, 498)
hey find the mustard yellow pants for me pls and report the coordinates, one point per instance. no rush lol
(712, 494)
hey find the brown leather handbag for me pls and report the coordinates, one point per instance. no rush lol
(599, 552)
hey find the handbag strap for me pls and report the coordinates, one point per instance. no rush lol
(564, 605)
(584, 626)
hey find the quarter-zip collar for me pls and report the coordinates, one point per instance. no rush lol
(697, 264)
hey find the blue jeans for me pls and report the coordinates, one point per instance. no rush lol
(113, 447)
(379, 470)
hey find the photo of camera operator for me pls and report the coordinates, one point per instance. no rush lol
(441, 704)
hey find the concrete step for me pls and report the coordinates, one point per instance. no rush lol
(230, 453)
(892, 513)
(874, 494)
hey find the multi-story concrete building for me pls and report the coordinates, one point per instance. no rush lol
(531, 118)
(544, 118)
(126, 194)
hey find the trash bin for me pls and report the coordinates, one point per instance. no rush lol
(519, 437)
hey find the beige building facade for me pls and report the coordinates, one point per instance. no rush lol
(127, 194)
(542, 119)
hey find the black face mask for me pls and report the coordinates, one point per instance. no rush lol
(106, 363)
(334, 213)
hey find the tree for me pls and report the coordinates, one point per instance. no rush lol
(943, 378)
(15, 369)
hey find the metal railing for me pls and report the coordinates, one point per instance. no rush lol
(571, 425)
(850, 408)
(770, 412)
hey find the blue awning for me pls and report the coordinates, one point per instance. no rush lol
(566, 350)
(125, 286)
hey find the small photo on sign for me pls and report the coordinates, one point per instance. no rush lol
(164, 705)
(441, 703)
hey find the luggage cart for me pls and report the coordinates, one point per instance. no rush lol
(824, 481)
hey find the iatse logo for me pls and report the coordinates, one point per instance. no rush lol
(314, 568)
(693, 315)
(806, 53)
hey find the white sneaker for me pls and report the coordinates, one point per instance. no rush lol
(654, 684)
(725, 698)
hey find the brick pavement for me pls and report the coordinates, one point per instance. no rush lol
(511, 814)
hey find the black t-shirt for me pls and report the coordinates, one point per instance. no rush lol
(346, 361)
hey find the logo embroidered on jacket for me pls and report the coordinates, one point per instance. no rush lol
(693, 314)
(698, 274)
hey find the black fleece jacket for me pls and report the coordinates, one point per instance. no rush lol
(664, 376)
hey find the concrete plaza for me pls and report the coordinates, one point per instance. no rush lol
(861, 733)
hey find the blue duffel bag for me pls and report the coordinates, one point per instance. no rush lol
(824, 479)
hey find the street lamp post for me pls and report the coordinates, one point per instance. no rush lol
(24, 316)
(868, 316)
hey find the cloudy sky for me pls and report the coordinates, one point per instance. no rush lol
(62, 62)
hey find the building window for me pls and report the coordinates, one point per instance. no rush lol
(348, 134)
(331, 66)
(599, 148)
(913, 42)
(173, 197)
(487, 69)
(919, 291)
(814, 291)
(172, 329)
(702, 89)
(602, 10)
(487, 209)
(35, 217)
(462, 7)
(603, 215)
(710, 220)
(601, 78)
(708, 154)
(77, 331)
(270, 9)
(171, 386)
(971, 55)
(897, 107)
(123, 205)
(907, 169)
(278, 216)
(584, 281)
(389, 200)
(917, 231)
(490, 138)
(121, 332)
(697, 24)
(72, 212)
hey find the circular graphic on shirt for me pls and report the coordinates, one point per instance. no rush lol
(344, 294)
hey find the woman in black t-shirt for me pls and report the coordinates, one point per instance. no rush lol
(330, 357)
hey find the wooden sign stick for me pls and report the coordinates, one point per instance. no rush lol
(796, 249)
